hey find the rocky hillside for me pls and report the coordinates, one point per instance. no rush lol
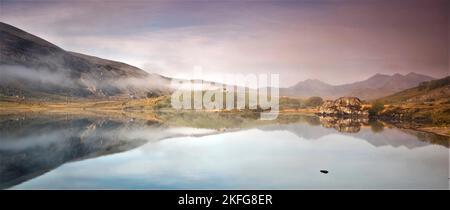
(427, 105)
(31, 67)
(376, 86)
(426, 92)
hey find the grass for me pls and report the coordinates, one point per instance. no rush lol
(425, 107)
(426, 88)
(156, 109)
(434, 116)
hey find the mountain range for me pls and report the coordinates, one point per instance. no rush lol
(31, 67)
(377, 86)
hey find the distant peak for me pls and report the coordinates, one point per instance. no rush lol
(413, 74)
(380, 74)
(399, 75)
(312, 80)
(377, 75)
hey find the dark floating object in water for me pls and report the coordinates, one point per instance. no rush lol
(324, 171)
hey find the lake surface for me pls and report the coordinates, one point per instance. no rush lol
(79, 152)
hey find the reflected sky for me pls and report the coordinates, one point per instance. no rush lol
(271, 157)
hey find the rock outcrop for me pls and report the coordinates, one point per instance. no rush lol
(344, 106)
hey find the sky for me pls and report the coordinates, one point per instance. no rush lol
(335, 41)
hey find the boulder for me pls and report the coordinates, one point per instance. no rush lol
(344, 106)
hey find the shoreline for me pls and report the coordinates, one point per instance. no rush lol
(146, 109)
(442, 131)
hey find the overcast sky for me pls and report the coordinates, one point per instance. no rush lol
(333, 41)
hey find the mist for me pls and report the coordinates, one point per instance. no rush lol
(60, 81)
(16, 73)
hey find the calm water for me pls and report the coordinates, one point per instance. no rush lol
(67, 152)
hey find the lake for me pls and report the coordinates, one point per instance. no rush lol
(204, 151)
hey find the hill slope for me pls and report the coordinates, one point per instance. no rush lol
(33, 67)
(437, 91)
(426, 106)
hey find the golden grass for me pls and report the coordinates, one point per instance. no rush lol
(78, 105)
(138, 108)
(444, 130)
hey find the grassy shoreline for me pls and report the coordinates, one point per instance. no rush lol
(148, 109)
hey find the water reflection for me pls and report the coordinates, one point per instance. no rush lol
(33, 145)
(228, 152)
(347, 125)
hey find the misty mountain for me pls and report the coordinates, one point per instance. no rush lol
(33, 67)
(374, 87)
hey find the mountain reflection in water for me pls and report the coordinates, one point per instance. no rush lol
(35, 151)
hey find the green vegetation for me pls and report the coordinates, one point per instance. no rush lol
(313, 101)
(298, 103)
(286, 103)
(290, 103)
(430, 85)
(376, 108)
(376, 126)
